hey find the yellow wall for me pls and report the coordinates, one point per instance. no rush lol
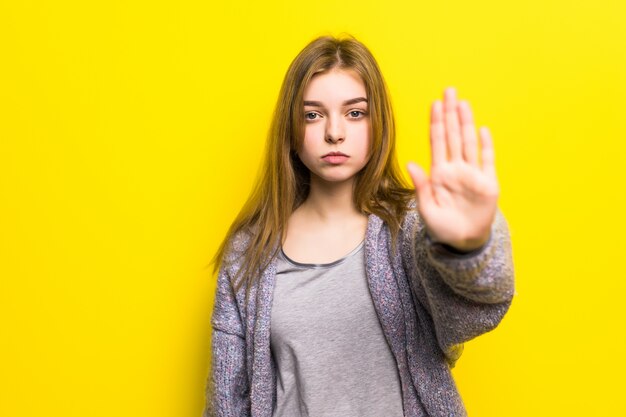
(129, 137)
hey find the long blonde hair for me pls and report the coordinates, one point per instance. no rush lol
(284, 181)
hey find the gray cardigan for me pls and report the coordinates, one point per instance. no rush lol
(428, 299)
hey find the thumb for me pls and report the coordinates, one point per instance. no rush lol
(422, 184)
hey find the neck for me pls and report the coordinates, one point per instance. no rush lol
(330, 201)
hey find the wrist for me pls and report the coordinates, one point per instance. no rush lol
(469, 245)
(462, 247)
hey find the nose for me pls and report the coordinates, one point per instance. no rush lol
(335, 130)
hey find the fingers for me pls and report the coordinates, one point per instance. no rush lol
(451, 119)
(468, 131)
(453, 134)
(437, 134)
(487, 153)
(423, 186)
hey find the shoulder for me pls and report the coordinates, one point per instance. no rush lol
(411, 221)
(236, 248)
(406, 217)
(404, 212)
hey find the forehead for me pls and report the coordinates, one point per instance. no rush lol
(336, 85)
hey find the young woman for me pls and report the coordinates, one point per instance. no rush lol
(341, 290)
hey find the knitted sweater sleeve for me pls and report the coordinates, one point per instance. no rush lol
(466, 294)
(227, 385)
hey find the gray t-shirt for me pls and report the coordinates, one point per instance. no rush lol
(331, 354)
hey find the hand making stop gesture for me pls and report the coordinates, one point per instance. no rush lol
(458, 202)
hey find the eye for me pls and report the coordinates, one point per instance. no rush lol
(357, 114)
(310, 115)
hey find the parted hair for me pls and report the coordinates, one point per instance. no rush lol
(283, 182)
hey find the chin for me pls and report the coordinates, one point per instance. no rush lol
(338, 176)
(336, 180)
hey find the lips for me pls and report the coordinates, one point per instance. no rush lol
(335, 158)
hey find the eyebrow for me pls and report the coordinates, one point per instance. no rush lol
(345, 103)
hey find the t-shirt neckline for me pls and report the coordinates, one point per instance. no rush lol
(324, 265)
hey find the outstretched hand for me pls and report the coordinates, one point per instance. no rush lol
(458, 202)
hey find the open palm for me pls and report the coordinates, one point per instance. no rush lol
(459, 201)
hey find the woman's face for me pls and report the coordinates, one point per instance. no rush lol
(337, 120)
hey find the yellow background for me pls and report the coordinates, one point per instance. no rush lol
(130, 135)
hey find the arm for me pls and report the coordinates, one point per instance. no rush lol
(485, 275)
(466, 295)
(227, 385)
